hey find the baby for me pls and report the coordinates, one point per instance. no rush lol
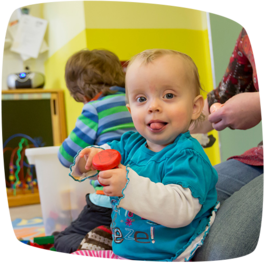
(163, 193)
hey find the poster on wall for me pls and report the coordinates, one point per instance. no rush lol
(29, 36)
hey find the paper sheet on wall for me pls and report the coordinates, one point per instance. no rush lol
(43, 48)
(29, 36)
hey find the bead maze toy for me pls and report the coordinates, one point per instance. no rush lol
(21, 174)
(107, 159)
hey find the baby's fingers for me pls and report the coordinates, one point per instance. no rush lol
(85, 152)
(89, 162)
(88, 154)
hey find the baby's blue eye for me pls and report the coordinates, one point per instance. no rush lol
(141, 99)
(169, 96)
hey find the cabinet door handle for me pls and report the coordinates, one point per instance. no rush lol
(54, 106)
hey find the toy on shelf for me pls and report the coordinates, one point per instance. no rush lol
(19, 178)
(107, 159)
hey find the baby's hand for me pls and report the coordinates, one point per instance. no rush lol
(114, 180)
(88, 154)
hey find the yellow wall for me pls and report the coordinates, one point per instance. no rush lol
(66, 21)
(66, 35)
(54, 71)
(134, 15)
(129, 28)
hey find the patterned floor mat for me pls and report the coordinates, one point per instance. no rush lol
(28, 229)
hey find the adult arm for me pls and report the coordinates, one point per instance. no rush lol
(240, 77)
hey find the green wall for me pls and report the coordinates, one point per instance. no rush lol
(224, 34)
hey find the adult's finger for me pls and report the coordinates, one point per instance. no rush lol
(219, 126)
(215, 117)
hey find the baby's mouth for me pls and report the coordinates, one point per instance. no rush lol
(157, 125)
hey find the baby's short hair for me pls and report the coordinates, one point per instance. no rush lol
(148, 56)
(90, 72)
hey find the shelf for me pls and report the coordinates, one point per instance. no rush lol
(30, 90)
(22, 197)
(34, 113)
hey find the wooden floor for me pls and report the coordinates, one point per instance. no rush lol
(25, 212)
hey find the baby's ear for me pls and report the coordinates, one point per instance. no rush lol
(198, 104)
(128, 107)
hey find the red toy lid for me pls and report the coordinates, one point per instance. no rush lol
(106, 159)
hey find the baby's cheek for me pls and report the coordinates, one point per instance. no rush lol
(180, 115)
(136, 117)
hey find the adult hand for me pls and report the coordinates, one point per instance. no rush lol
(114, 180)
(241, 112)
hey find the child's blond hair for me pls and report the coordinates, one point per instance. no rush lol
(148, 56)
(90, 72)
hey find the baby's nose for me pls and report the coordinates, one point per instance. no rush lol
(154, 107)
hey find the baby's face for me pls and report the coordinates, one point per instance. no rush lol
(161, 99)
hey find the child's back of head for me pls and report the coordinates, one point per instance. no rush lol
(88, 73)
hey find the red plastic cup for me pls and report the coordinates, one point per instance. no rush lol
(107, 159)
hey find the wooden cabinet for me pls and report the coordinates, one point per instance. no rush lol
(37, 114)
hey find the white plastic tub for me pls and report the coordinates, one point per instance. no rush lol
(62, 198)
